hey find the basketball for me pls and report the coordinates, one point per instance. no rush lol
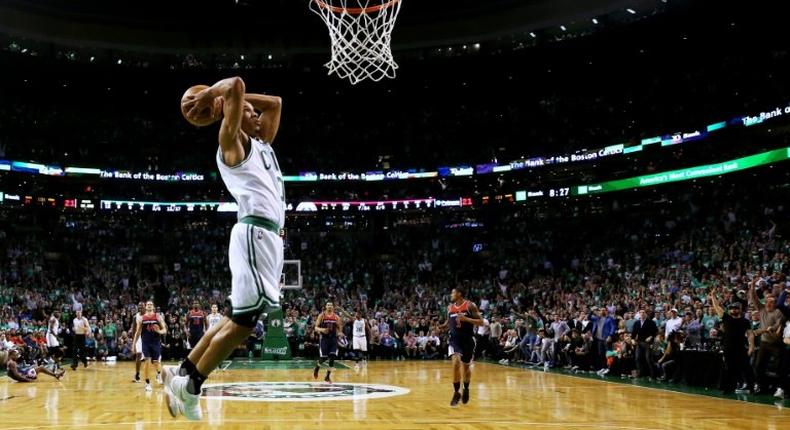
(31, 374)
(204, 117)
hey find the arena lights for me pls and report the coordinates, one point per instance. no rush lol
(83, 171)
(441, 172)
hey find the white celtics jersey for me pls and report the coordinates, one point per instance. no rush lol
(256, 183)
(213, 320)
(54, 326)
(359, 328)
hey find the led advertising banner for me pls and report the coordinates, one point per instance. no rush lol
(669, 139)
(686, 174)
(305, 206)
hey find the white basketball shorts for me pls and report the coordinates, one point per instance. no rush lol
(52, 341)
(256, 264)
(360, 343)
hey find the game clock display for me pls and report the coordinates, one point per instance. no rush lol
(559, 192)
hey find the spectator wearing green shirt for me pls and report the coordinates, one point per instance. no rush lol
(110, 331)
(709, 321)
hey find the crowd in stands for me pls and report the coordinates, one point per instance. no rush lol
(556, 289)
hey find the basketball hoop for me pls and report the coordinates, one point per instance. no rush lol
(361, 35)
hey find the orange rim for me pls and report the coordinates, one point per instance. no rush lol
(355, 10)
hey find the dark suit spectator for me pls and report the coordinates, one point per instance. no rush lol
(643, 333)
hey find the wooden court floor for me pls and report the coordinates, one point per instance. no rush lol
(103, 397)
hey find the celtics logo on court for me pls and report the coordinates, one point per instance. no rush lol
(298, 391)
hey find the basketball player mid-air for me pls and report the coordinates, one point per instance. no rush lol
(150, 328)
(463, 317)
(329, 326)
(250, 171)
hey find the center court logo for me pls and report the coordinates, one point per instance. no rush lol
(298, 391)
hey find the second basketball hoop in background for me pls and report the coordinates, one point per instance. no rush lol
(361, 36)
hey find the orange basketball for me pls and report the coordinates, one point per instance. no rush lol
(206, 116)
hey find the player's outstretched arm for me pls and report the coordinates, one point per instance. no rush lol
(269, 120)
(232, 92)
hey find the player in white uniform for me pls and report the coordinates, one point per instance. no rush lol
(53, 343)
(214, 317)
(360, 342)
(137, 348)
(249, 168)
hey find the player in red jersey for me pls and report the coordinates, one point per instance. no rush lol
(328, 325)
(463, 316)
(197, 324)
(150, 329)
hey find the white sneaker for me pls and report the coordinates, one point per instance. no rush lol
(174, 406)
(168, 373)
(780, 393)
(148, 387)
(604, 371)
(190, 403)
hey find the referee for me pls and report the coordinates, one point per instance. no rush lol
(81, 328)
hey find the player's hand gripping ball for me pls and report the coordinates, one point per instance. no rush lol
(199, 107)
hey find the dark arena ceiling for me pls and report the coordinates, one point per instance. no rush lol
(280, 26)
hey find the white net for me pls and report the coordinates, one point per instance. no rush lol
(361, 34)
